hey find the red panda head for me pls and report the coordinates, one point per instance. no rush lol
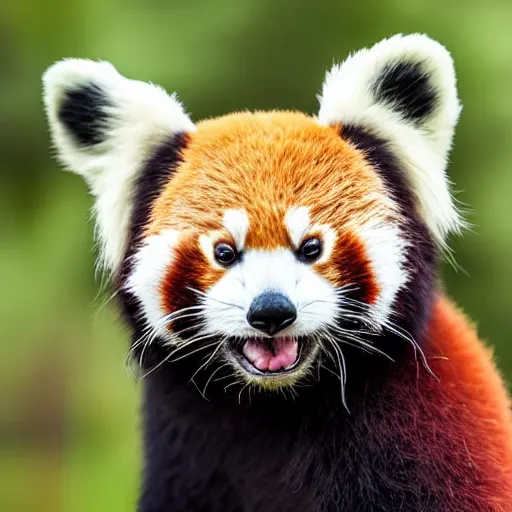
(267, 240)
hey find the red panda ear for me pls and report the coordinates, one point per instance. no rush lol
(403, 90)
(105, 127)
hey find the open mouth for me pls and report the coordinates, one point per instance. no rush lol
(271, 356)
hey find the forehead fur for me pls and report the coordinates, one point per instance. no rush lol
(267, 163)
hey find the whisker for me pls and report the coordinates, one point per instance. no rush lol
(232, 384)
(188, 315)
(197, 387)
(240, 394)
(330, 371)
(169, 360)
(342, 366)
(104, 303)
(187, 329)
(220, 343)
(147, 332)
(368, 346)
(402, 333)
(211, 376)
(191, 341)
(148, 342)
(223, 378)
(336, 296)
(202, 294)
(188, 354)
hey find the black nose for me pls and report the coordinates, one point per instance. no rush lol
(271, 312)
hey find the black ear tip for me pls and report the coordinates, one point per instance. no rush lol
(407, 88)
(83, 112)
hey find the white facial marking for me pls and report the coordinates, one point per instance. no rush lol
(236, 223)
(297, 223)
(151, 263)
(385, 249)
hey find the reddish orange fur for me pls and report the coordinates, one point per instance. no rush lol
(266, 163)
(471, 400)
(348, 263)
(189, 271)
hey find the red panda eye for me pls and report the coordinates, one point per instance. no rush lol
(310, 250)
(225, 254)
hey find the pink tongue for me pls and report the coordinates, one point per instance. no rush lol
(284, 353)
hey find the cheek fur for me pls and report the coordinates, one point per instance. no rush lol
(348, 264)
(189, 271)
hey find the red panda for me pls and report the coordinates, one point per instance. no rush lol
(279, 274)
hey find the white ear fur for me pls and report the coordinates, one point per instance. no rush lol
(403, 90)
(105, 128)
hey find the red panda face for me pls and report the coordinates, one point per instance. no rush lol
(264, 242)
(271, 229)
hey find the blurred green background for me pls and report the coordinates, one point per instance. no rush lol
(69, 408)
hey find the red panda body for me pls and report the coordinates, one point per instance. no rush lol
(279, 273)
(411, 442)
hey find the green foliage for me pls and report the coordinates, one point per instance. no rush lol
(69, 424)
